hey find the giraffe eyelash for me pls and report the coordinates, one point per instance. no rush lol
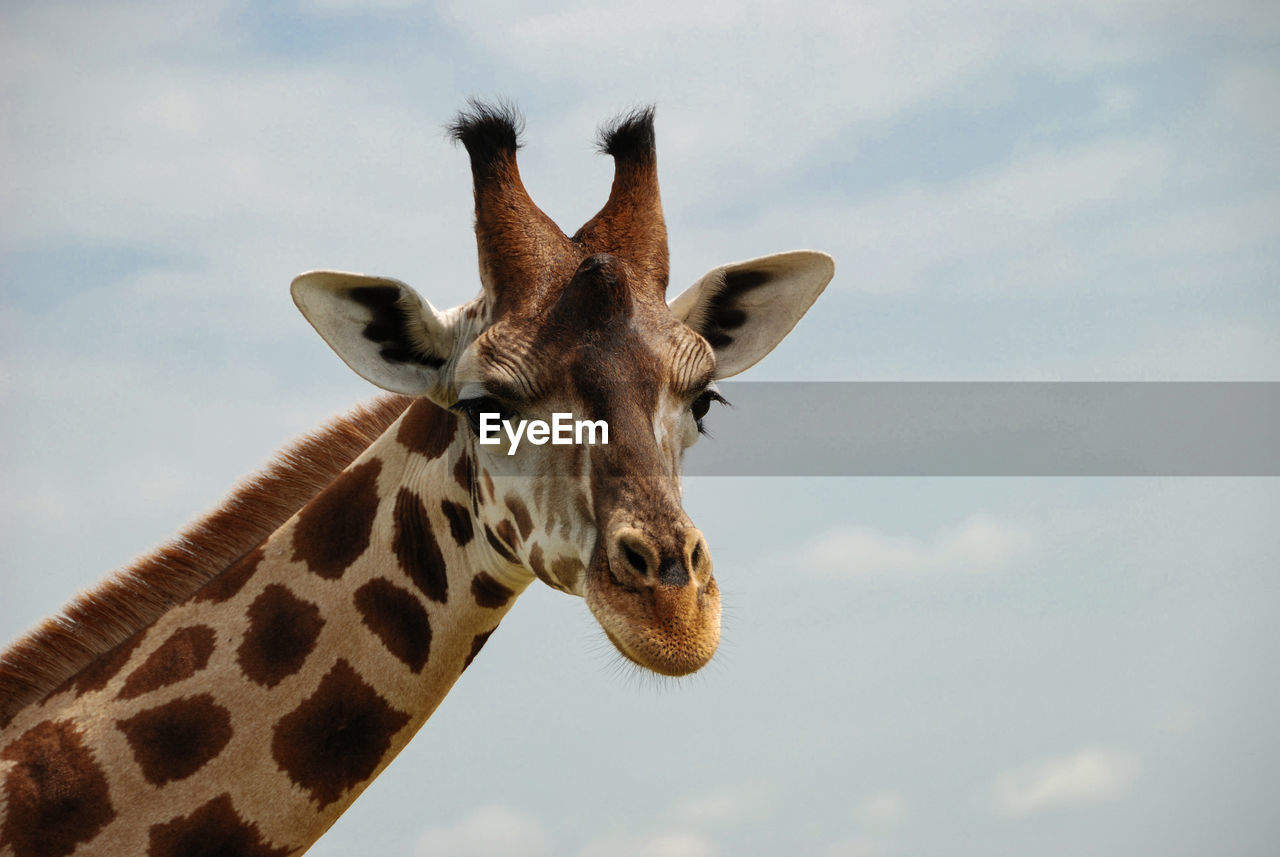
(473, 407)
(702, 404)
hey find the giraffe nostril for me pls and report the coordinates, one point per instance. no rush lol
(636, 560)
(695, 558)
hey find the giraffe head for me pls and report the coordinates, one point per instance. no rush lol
(579, 325)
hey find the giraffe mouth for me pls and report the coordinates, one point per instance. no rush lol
(672, 630)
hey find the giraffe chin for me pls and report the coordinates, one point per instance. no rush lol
(670, 630)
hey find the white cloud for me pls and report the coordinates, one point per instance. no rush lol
(779, 83)
(1089, 776)
(676, 843)
(882, 810)
(311, 164)
(1236, 349)
(1015, 227)
(981, 543)
(685, 833)
(327, 7)
(727, 805)
(492, 831)
(247, 171)
(758, 87)
(857, 847)
(877, 819)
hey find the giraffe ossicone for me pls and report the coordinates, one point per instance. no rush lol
(292, 642)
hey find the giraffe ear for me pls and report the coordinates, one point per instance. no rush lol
(380, 327)
(746, 308)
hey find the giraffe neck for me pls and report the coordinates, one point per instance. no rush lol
(253, 713)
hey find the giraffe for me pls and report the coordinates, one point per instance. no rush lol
(233, 692)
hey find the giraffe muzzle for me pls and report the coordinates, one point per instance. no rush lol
(657, 599)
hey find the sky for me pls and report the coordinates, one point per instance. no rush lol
(1067, 190)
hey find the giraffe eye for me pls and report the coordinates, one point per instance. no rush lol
(474, 407)
(702, 404)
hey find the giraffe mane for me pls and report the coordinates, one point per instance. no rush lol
(130, 599)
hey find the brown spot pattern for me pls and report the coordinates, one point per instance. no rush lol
(488, 592)
(507, 533)
(337, 737)
(521, 513)
(97, 674)
(583, 506)
(462, 471)
(334, 528)
(184, 654)
(416, 548)
(565, 571)
(427, 428)
(536, 563)
(98, 620)
(398, 619)
(213, 829)
(497, 545)
(282, 632)
(174, 740)
(459, 521)
(224, 586)
(57, 794)
(476, 645)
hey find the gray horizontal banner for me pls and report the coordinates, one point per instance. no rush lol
(992, 429)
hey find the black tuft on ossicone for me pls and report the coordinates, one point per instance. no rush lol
(490, 132)
(629, 137)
